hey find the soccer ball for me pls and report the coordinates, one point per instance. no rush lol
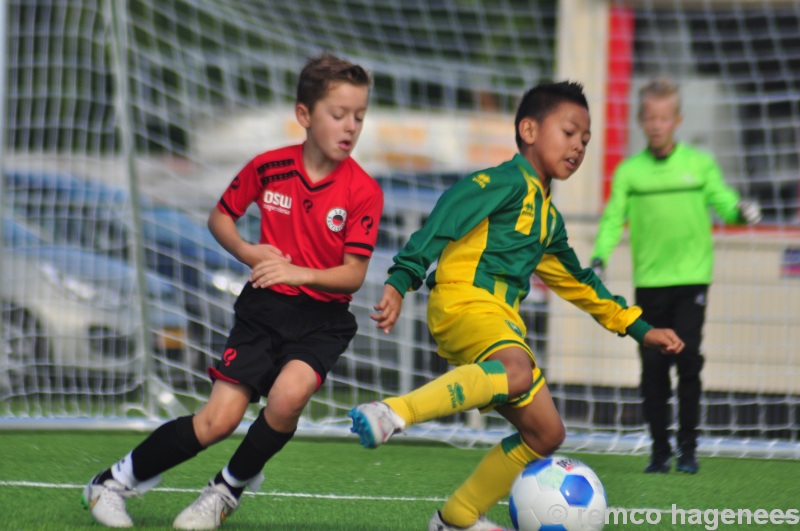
(557, 493)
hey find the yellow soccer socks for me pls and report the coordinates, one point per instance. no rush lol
(466, 387)
(489, 483)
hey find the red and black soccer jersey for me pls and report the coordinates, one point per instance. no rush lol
(314, 223)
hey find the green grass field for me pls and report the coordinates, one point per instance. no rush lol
(333, 485)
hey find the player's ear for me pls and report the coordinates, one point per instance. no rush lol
(303, 115)
(528, 130)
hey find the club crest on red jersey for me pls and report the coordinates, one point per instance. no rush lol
(336, 218)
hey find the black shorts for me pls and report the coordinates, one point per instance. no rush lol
(272, 329)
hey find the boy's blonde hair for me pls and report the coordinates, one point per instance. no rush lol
(660, 88)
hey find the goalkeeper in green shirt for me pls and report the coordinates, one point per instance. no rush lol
(664, 193)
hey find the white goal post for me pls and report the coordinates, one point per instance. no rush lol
(124, 121)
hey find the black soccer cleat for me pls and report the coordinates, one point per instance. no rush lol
(687, 462)
(659, 463)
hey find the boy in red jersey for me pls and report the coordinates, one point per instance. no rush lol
(319, 223)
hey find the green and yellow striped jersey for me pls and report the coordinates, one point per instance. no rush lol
(493, 230)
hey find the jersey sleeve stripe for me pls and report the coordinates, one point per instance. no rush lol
(358, 245)
(228, 210)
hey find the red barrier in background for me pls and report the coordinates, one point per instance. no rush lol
(620, 71)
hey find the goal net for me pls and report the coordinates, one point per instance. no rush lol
(125, 121)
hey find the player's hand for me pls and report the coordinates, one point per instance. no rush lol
(276, 268)
(663, 339)
(388, 310)
(264, 251)
(252, 254)
(750, 211)
(599, 269)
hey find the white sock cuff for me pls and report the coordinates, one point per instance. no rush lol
(122, 471)
(253, 483)
(144, 486)
(232, 481)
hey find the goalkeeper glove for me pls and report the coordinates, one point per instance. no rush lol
(750, 211)
(599, 268)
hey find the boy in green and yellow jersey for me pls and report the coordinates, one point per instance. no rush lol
(664, 192)
(489, 233)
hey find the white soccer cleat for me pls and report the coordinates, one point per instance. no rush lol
(107, 502)
(209, 510)
(437, 524)
(375, 423)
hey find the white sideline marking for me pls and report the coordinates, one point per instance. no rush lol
(39, 485)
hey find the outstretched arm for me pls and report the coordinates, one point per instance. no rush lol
(612, 223)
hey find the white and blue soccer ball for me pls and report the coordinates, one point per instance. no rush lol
(557, 493)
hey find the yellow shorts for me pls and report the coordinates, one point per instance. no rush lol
(470, 324)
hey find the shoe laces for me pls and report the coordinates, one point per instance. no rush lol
(206, 503)
(389, 420)
(115, 494)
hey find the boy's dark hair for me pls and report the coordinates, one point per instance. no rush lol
(323, 72)
(543, 99)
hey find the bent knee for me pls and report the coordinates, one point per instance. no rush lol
(555, 439)
(210, 431)
(546, 442)
(288, 404)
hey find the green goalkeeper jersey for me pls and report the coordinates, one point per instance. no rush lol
(493, 230)
(666, 204)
